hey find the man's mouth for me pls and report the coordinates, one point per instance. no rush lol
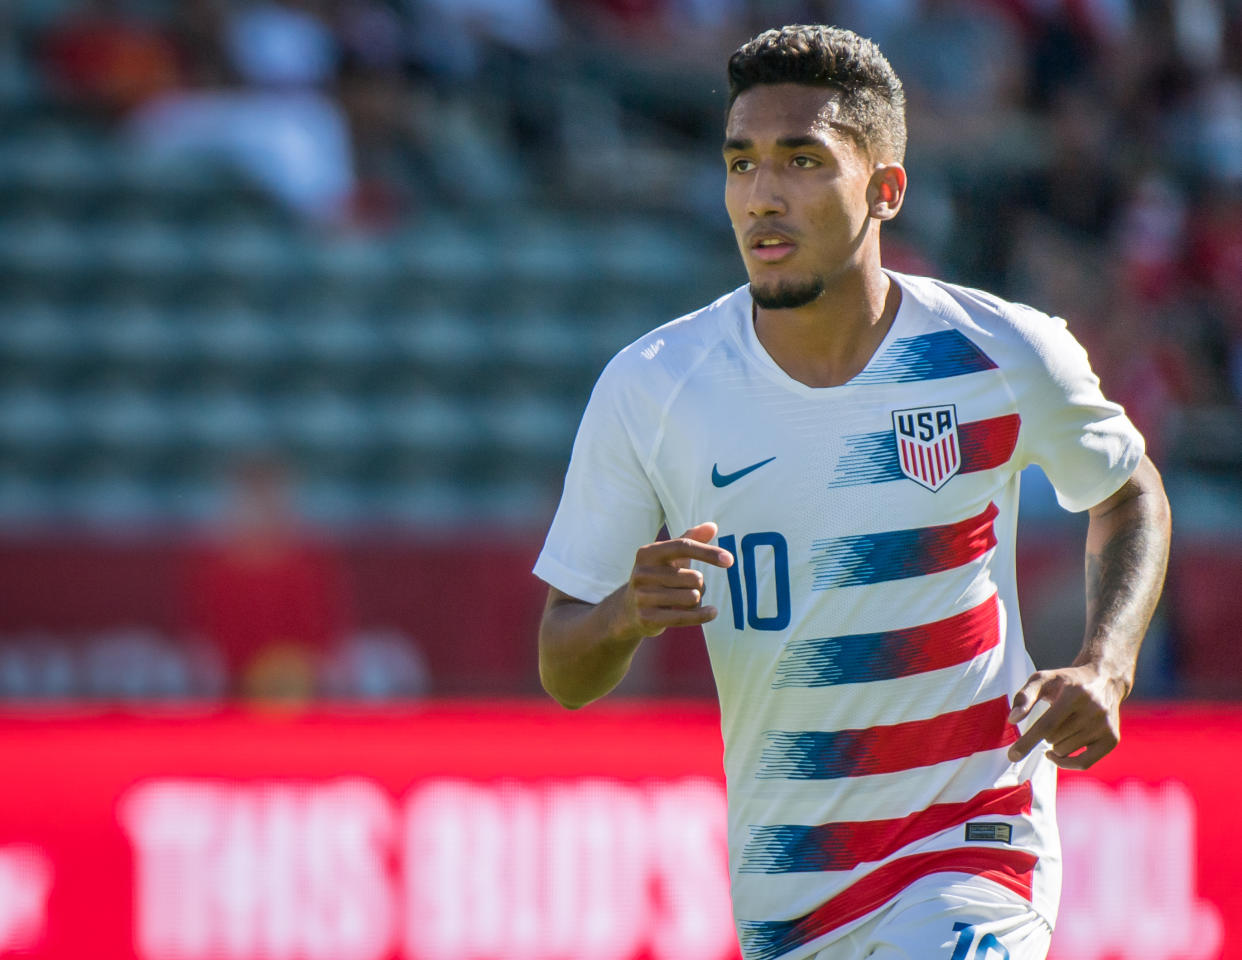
(771, 249)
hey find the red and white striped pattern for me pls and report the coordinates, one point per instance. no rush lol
(931, 464)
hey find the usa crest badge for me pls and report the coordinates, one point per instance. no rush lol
(927, 444)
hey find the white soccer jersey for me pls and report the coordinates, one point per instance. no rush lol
(868, 641)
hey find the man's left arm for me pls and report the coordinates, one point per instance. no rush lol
(1127, 552)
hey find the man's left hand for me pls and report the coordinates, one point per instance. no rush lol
(1084, 712)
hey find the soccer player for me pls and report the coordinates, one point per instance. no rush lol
(841, 445)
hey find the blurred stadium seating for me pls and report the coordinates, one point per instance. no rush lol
(529, 192)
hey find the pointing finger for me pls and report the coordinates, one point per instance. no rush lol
(706, 533)
(703, 532)
(679, 553)
(1026, 698)
(1045, 728)
(694, 544)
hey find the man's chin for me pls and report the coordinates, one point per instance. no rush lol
(786, 295)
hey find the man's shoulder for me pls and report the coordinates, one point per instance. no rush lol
(958, 304)
(1007, 328)
(663, 357)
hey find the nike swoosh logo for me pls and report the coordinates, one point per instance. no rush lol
(724, 479)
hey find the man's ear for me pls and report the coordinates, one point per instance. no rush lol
(886, 190)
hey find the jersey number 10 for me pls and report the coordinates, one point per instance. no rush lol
(746, 608)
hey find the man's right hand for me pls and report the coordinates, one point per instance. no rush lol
(663, 590)
(585, 648)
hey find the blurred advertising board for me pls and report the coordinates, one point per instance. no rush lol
(472, 831)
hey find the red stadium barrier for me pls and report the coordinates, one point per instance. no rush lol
(517, 831)
(476, 627)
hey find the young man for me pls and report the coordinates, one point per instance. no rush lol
(841, 445)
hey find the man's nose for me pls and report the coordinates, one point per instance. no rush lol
(766, 197)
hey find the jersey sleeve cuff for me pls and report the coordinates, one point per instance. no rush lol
(1113, 482)
(571, 582)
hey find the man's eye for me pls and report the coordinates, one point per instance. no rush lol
(741, 166)
(805, 162)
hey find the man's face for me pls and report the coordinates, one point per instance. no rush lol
(795, 189)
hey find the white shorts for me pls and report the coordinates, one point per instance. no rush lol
(963, 920)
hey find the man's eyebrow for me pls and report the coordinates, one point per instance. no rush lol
(792, 143)
(734, 145)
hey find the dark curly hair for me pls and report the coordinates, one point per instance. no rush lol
(872, 98)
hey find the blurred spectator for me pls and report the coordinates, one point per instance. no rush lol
(1212, 119)
(37, 666)
(954, 111)
(376, 665)
(1150, 237)
(1077, 187)
(282, 45)
(1216, 246)
(139, 664)
(101, 57)
(452, 36)
(295, 144)
(876, 19)
(372, 33)
(264, 593)
(1061, 53)
(280, 127)
(390, 118)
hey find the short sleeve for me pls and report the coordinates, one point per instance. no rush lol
(608, 508)
(1084, 442)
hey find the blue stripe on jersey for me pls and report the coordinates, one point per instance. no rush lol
(872, 558)
(865, 657)
(810, 755)
(843, 845)
(898, 554)
(931, 356)
(868, 458)
(768, 939)
(828, 661)
(832, 754)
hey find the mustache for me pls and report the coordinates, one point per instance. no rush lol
(773, 229)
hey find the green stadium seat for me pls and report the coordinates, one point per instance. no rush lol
(423, 422)
(125, 418)
(220, 419)
(228, 333)
(34, 419)
(24, 500)
(440, 341)
(37, 336)
(322, 420)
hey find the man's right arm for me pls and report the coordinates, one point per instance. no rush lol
(585, 649)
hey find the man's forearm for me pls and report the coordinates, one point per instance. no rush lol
(582, 653)
(1127, 551)
(1126, 556)
(585, 648)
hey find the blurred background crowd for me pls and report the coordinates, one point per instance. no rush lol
(300, 302)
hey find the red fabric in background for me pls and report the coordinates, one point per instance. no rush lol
(114, 63)
(241, 605)
(1205, 599)
(472, 605)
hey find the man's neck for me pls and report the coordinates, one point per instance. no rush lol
(830, 341)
